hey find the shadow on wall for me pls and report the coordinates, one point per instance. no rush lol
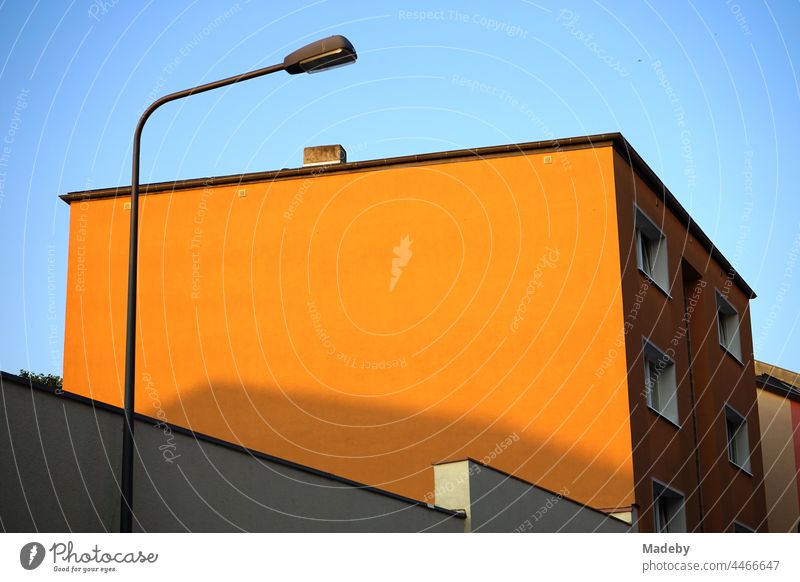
(322, 431)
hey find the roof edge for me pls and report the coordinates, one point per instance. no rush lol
(579, 142)
(778, 387)
(632, 157)
(615, 139)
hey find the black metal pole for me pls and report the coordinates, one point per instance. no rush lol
(126, 483)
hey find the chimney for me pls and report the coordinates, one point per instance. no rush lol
(324, 155)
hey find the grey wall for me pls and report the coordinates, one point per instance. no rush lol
(501, 503)
(59, 460)
(497, 502)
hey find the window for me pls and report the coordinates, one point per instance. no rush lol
(659, 382)
(738, 441)
(668, 508)
(651, 250)
(728, 327)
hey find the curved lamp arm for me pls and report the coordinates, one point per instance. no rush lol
(126, 514)
(327, 53)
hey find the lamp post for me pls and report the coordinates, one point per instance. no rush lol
(334, 51)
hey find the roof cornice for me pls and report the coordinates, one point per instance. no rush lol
(615, 140)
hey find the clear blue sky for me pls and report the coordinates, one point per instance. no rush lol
(702, 90)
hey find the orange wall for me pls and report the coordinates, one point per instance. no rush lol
(269, 319)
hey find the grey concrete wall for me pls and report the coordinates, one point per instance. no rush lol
(501, 503)
(59, 460)
(496, 502)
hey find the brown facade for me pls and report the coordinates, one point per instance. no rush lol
(681, 321)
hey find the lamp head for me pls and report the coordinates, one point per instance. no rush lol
(327, 53)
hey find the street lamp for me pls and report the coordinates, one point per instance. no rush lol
(334, 51)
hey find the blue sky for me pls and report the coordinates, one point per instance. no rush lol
(707, 92)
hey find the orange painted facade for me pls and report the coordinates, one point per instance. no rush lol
(372, 320)
(270, 319)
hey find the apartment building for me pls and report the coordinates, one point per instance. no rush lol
(546, 308)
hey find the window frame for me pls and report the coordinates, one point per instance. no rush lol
(663, 491)
(731, 414)
(663, 407)
(725, 309)
(646, 230)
